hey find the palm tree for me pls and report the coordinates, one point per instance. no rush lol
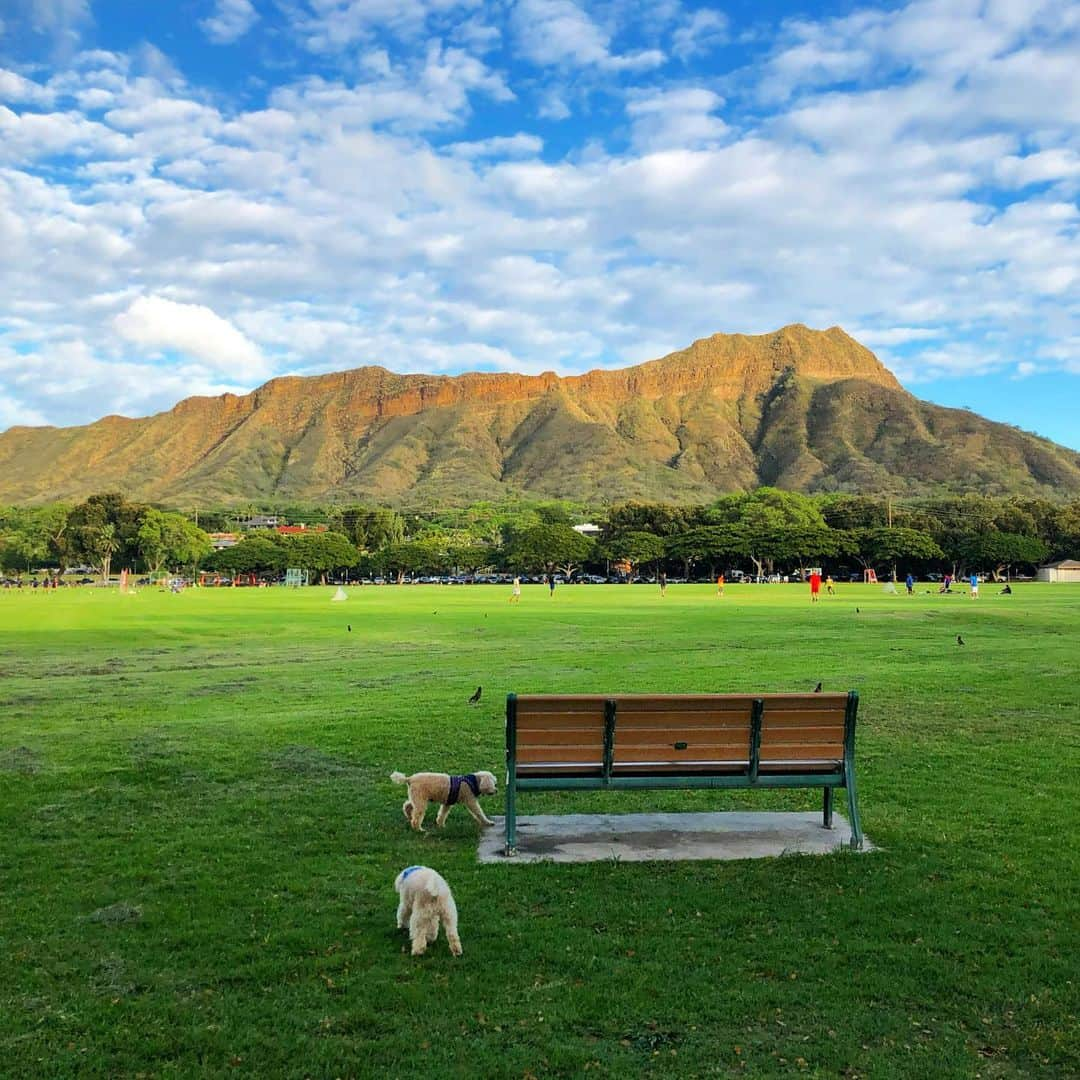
(106, 545)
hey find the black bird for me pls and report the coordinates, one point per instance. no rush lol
(856, 611)
(817, 689)
(349, 627)
(475, 699)
(959, 640)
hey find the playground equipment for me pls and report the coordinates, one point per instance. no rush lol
(295, 577)
(869, 577)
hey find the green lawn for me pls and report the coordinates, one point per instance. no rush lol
(198, 840)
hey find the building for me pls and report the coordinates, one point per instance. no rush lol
(588, 529)
(294, 530)
(222, 540)
(1065, 570)
(261, 521)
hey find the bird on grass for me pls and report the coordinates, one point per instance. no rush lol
(817, 689)
(348, 626)
(856, 611)
(959, 640)
(475, 699)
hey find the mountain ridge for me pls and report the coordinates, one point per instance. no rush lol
(800, 408)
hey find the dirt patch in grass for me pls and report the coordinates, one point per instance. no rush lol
(152, 753)
(22, 760)
(111, 979)
(116, 914)
(220, 688)
(307, 761)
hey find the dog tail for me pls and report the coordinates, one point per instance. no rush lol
(399, 778)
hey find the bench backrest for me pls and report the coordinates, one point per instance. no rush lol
(627, 734)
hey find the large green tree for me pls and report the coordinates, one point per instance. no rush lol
(320, 552)
(634, 549)
(543, 547)
(167, 538)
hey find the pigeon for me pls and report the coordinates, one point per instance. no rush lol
(959, 640)
(349, 627)
(475, 699)
(817, 689)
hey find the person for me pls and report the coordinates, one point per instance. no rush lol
(663, 583)
(909, 581)
(829, 583)
(720, 585)
(551, 585)
(974, 586)
(1007, 591)
(815, 586)
(515, 593)
(946, 581)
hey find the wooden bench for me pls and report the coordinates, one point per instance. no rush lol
(599, 741)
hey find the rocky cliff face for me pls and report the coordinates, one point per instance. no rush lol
(799, 408)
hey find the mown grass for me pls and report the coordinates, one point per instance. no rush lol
(198, 840)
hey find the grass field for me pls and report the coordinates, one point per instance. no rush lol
(198, 840)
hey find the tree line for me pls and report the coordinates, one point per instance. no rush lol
(760, 531)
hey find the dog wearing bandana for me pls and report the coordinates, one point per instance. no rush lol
(429, 787)
(426, 900)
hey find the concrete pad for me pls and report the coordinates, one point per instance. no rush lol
(642, 837)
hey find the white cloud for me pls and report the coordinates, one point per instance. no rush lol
(557, 32)
(700, 33)
(405, 206)
(676, 118)
(231, 20)
(194, 330)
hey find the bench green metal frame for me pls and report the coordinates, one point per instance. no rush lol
(751, 777)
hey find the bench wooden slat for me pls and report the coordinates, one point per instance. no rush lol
(532, 729)
(801, 751)
(570, 752)
(801, 735)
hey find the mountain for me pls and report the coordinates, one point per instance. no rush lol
(807, 410)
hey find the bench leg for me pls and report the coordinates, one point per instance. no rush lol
(827, 809)
(853, 809)
(511, 819)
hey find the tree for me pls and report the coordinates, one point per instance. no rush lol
(543, 547)
(767, 517)
(891, 545)
(469, 556)
(660, 519)
(707, 543)
(634, 549)
(105, 545)
(170, 538)
(253, 555)
(82, 531)
(320, 552)
(1003, 550)
(426, 556)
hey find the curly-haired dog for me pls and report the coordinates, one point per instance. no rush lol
(425, 900)
(425, 787)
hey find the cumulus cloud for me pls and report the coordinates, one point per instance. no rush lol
(555, 32)
(231, 20)
(193, 330)
(410, 199)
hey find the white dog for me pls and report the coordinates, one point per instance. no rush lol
(425, 787)
(425, 899)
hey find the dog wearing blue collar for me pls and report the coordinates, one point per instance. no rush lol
(425, 902)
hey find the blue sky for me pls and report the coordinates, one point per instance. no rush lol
(198, 195)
